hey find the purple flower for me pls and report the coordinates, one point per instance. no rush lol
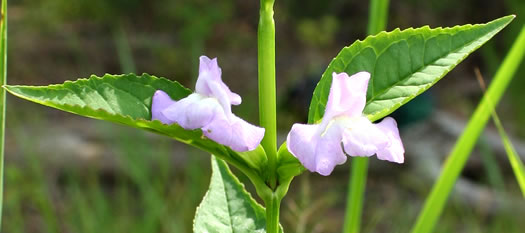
(209, 109)
(345, 130)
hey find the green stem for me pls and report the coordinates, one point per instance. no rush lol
(3, 78)
(267, 110)
(454, 164)
(124, 53)
(267, 102)
(377, 16)
(354, 203)
(273, 204)
(377, 20)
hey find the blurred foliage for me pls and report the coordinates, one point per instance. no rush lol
(138, 191)
(318, 33)
(55, 40)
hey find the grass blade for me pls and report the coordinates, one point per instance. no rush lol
(3, 72)
(377, 21)
(454, 164)
(514, 158)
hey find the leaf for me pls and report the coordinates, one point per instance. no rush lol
(403, 64)
(124, 99)
(227, 207)
(514, 158)
(288, 165)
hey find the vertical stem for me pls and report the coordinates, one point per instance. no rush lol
(272, 214)
(267, 109)
(267, 103)
(356, 189)
(3, 73)
(377, 20)
(377, 16)
(124, 53)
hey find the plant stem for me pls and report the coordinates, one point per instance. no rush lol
(272, 213)
(377, 16)
(356, 189)
(3, 78)
(454, 164)
(124, 53)
(267, 109)
(267, 102)
(377, 20)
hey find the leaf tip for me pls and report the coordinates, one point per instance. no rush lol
(507, 18)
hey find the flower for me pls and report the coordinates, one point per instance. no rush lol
(209, 109)
(344, 129)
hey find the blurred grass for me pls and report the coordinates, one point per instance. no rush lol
(141, 191)
(145, 192)
(463, 147)
(512, 155)
(148, 192)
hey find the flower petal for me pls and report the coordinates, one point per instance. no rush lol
(329, 151)
(394, 152)
(347, 95)
(301, 142)
(246, 136)
(362, 138)
(317, 152)
(233, 132)
(192, 112)
(209, 109)
(160, 101)
(219, 129)
(209, 83)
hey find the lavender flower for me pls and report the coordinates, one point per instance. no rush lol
(209, 109)
(344, 129)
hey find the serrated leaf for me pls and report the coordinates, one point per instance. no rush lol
(227, 207)
(403, 64)
(124, 99)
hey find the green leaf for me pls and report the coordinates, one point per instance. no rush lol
(227, 206)
(514, 158)
(126, 99)
(403, 64)
(288, 165)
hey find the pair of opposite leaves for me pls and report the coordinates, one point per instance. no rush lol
(319, 147)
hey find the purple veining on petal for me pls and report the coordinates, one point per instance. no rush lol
(395, 151)
(160, 101)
